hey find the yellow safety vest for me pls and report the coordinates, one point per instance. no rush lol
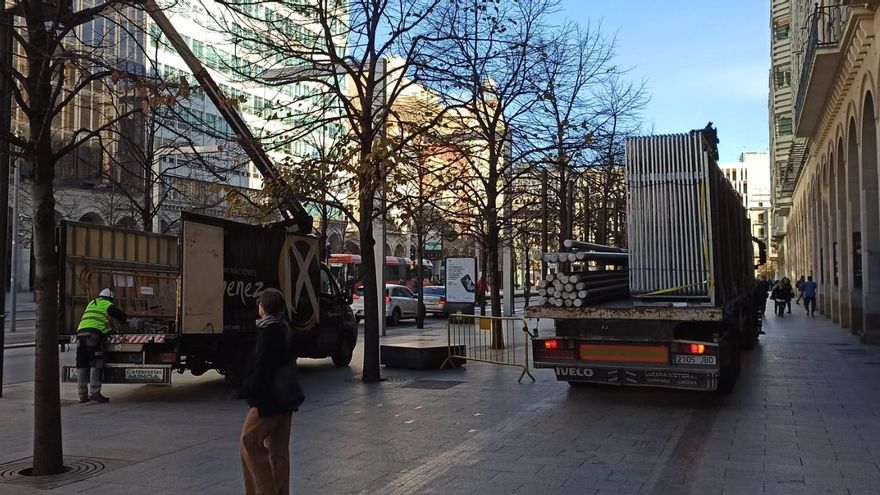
(95, 316)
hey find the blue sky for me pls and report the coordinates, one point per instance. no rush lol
(702, 61)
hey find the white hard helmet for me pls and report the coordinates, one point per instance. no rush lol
(106, 293)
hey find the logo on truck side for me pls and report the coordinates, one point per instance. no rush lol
(580, 372)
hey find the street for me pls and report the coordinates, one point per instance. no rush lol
(802, 419)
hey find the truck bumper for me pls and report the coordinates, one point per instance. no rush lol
(666, 377)
(159, 374)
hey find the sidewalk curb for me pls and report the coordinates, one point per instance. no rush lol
(19, 346)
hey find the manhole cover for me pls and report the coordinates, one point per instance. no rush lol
(76, 469)
(432, 384)
(389, 379)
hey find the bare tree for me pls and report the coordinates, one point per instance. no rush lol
(66, 61)
(347, 90)
(418, 187)
(574, 63)
(621, 103)
(482, 63)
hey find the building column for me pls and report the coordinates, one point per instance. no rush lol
(854, 215)
(825, 226)
(870, 226)
(841, 243)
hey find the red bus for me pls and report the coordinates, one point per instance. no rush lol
(346, 268)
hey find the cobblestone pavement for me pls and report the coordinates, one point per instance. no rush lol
(802, 419)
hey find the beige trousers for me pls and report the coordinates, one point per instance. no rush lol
(265, 453)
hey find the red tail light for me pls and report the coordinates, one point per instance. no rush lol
(355, 297)
(388, 299)
(698, 349)
(442, 300)
(551, 344)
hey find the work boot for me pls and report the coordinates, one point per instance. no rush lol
(99, 398)
(83, 399)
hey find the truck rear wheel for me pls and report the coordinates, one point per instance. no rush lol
(342, 356)
(730, 366)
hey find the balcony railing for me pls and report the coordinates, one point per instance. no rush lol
(826, 26)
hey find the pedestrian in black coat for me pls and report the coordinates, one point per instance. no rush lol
(265, 435)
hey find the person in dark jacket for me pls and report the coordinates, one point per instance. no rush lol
(781, 295)
(265, 435)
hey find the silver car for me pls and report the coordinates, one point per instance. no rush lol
(400, 303)
(434, 298)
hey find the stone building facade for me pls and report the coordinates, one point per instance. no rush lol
(827, 186)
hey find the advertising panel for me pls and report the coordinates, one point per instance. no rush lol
(461, 280)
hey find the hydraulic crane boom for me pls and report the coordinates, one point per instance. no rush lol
(290, 208)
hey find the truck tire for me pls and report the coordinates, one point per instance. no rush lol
(729, 371)
(342, 357)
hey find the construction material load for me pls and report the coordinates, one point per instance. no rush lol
(689, 236)
(592, 276)
(589, 246)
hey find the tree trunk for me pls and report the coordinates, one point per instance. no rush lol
(366, 209)
(420, 275)
(48, 456)
(325, 249)
(494, 282)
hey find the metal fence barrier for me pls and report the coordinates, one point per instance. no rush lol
(500, 340)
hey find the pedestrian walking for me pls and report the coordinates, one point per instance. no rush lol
(781, 295)
(800, 290)
(789, 293)
(809, 290)
(265, 434)
(90, 333)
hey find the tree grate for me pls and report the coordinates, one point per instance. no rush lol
(432, 384)
(387, 379)
(75, 469)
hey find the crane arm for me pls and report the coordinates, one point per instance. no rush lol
(291, 208)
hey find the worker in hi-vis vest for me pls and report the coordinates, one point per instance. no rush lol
(94, 326)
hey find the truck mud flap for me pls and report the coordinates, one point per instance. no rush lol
(134, 374)
(707, 381)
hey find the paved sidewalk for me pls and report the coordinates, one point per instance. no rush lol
(803, 419)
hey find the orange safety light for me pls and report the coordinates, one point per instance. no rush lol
(698, 349)
(551, 344)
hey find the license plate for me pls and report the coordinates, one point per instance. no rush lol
(697, 360)
(144, 375)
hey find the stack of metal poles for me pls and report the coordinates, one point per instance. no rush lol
(590, 274)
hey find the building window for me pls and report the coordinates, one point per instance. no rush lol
(783, 126)
(782, 76)
(781, 29)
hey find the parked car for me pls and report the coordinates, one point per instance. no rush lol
(400, 303)
(434, 298)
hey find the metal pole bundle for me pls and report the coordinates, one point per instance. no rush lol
(588, 282)
(687, 229)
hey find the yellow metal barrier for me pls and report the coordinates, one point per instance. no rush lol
(500, 340)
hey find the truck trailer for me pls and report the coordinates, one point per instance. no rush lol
(691, 303)
(191, 300)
